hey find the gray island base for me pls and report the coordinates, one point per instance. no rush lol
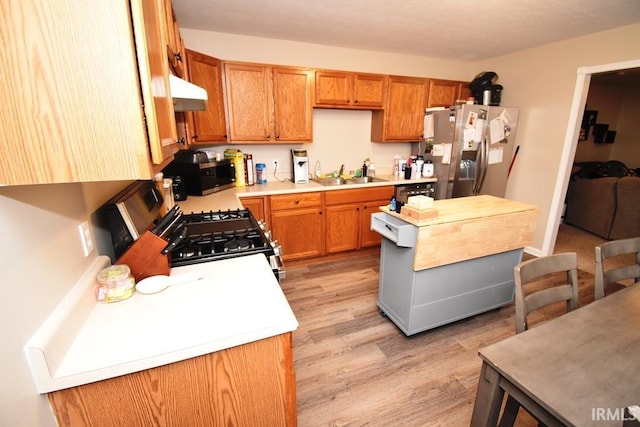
(460, 264)
(420, 300)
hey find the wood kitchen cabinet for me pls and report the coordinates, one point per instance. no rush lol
(85, 92)
(175, 44)
(348, 217)
(443, 93)
(257, 205)
(402, 119)
(297, 222)
(268, 103)
(251, 384)
(208, 126)
(337, 89)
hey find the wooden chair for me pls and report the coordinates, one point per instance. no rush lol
(527, 273)
(604, 276)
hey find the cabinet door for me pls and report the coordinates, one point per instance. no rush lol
(342, 224)
(465, 91)
(175, 49)
(292, 105)
(209, 125)
(443, 93)
(256, 205)
(367, 236)
(151, 44)
(299, 231)
(248, 101)
(195, 391)
(70, 114)
(333, 88)
(402, 119)
(369, 90)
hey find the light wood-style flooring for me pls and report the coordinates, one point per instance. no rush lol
(354, 367)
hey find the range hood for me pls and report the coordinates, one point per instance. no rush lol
(186, 96)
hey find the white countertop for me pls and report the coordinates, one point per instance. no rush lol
(232, 198)
(239, 301)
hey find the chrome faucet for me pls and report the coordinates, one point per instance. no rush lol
(341, 170)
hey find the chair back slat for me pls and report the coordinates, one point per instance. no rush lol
(532, 271)
(606, 275)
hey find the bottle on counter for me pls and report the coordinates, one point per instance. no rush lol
(418, 167)
(364, 169)
(248, 169)
(392, 204)
(261, 173)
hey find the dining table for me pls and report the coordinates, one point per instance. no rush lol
(579, 369)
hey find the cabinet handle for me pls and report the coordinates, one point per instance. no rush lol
(182, 141)
(355, 101)
(297, 202)
(194, 137)
(277, 136)
(178, 56)
(267, 136)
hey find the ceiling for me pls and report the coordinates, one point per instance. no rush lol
(448, 29)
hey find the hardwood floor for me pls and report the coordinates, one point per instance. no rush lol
(355, 367)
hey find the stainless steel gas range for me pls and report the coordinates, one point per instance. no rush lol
(217, 235)
(191, 238)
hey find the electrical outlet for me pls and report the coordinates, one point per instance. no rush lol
(275, 165)
(85, 238)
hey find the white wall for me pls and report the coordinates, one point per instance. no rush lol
(41, 258)
(541, 82)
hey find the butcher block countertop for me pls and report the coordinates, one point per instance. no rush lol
(471, 227)
(239, 301)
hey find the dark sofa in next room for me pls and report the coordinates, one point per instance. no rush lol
(603, 198)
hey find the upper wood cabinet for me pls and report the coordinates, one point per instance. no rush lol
(73, 90)
(208, 126)
(443, 93)
(175, 44)
(402, 119)
(335, 89)
(268, 103)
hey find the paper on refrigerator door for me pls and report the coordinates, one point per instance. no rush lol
(428, 126)
(496, 130)
(495, 155)
(446, 153)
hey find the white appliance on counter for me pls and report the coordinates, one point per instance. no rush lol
(300, 166)
(473, 148)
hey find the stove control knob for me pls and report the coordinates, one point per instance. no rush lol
(277, 249)
(267, 234)
(261, 224)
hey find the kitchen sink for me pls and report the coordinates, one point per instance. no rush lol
(343, 181)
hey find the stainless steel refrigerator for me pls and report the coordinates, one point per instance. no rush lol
(473, 149)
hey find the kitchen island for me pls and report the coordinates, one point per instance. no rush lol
(458, 264)
(211, 351)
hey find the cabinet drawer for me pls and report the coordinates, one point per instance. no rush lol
(298, 200)
(358, 195)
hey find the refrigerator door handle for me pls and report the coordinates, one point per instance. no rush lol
(483, 165)
(478, 171)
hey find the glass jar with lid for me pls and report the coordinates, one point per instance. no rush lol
(115, 283)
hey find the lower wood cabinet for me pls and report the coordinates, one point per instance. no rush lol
(348, 216)
(257, 206)
(297, 222)
(252, 384)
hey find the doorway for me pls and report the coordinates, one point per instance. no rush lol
(581, 90)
